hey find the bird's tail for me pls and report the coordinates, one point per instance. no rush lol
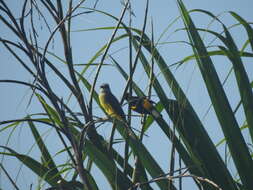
(156, 113)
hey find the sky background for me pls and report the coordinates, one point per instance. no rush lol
(14, 99)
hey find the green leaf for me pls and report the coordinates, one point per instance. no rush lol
(246, 26)
(44, 151)
(212, 53)
(88, 86)
(236, 143)
(137, 90)
(193, 134)
(224, 140)
(14, 124)
(114, 176)
(50, 110)
(242, 80)
(42, 171)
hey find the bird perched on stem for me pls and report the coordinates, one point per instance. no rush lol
(110, 103)
(142, 105)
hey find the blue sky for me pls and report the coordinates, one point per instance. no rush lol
(14, 99)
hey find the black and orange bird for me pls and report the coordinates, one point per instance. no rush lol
(142, 105)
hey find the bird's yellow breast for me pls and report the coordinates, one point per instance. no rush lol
(107, 106)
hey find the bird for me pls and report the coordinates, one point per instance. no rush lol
(142, 105)
(110, 103)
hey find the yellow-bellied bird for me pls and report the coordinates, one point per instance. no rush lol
(110, 103)
(142, 105)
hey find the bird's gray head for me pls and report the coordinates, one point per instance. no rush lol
(105, 88)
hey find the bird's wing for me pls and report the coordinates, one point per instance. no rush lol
(115, 105)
